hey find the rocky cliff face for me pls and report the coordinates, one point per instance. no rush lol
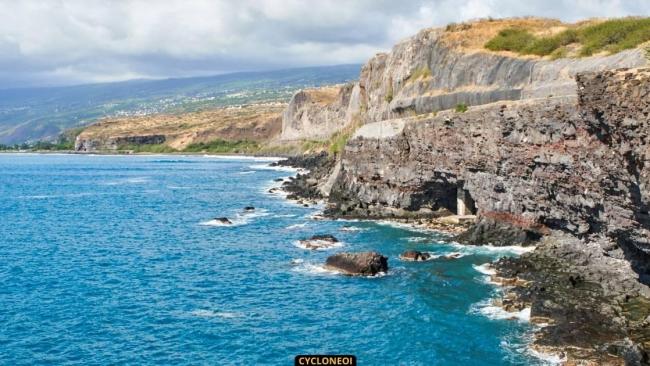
(316, 114)
(432, 71)
(550, 152)
(568, 173)
(561, 163)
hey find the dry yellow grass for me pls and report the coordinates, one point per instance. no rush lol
(472, 36)
(323, 95)
(260, 122)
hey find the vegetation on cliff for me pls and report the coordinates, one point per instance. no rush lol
(610, 36)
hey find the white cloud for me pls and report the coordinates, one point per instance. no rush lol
(72, 41)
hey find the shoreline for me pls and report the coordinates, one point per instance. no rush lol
(289, 187)
(548, 279)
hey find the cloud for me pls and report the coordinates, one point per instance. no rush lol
(74, 41)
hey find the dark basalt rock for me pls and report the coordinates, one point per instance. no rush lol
(249, 208)
(415, 256)
(358, 264)
(305, 186)
(325, 237)
(317, 242)
(223, 220)
(499, 233)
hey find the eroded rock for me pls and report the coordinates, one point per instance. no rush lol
(358, 264)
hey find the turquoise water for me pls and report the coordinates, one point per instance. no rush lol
(112, 260)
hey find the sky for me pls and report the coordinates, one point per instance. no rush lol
(63, 42)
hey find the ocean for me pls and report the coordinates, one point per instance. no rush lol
(117, 260)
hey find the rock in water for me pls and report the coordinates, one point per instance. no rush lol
(249, 208)
(358, 264)
(326, 237)
(223, 220)
(415, 256)
(319, 242)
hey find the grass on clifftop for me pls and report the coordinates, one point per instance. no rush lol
(223, 146)
(215, 146)
(610, 36)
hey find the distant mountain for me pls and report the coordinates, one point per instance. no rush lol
(31, 114)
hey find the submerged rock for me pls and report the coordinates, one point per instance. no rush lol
(358, 264)
(223, 220)
(415, 256)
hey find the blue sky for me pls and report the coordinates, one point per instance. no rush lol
(57, 42)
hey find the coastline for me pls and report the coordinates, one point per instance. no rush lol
(295, 187)
(549, 281)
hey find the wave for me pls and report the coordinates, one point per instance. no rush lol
(178, 187)
(488, 309)
(485, 268)
(491, 249)
(434, 256)
(317, 244)
(173, 161)
(270, 159)
(404, 226)
(547, 358)
(133, 180)
(238, 219)
(322, 270)
(315, 269)
(71, 195)
(203, 313)
(277, 168)
(246, 172)
(296, 226)
(417, 239)
(352, 228)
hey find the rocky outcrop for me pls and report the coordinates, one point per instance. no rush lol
(316, 114)
(258, 123)
(113, 143)
(588, 303)
(415, 256)
(358, 264)
(308, 185)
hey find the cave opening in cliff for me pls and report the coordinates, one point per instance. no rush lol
(465, 204)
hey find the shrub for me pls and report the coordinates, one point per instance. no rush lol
(510, 39)
(389, 93)
(419, 73)
(147, 148)
(223, 146)
(612, 36)
(461, 108)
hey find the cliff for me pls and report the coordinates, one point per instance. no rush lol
(440, 68)
(532, 169)
(551, 153)
(255, 123)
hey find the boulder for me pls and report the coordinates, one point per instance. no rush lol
(358, 264)
(415, 256)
